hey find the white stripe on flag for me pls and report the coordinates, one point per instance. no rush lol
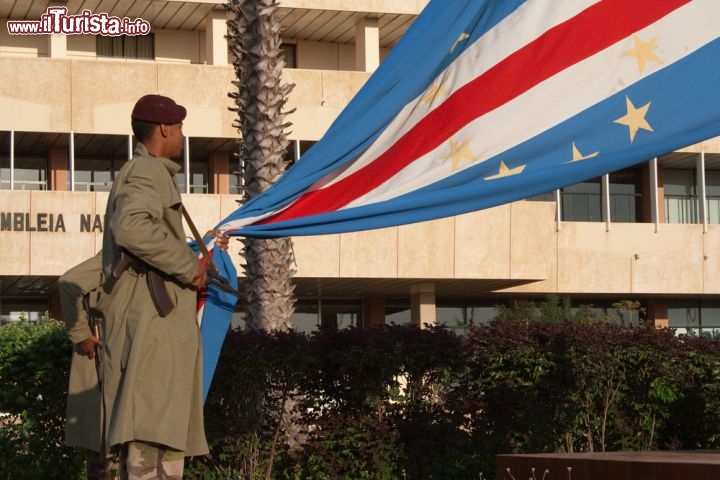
(554, 100)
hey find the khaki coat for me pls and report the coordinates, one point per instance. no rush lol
(83, 421)
(152, 365)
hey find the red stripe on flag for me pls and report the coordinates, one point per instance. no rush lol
(594, 29)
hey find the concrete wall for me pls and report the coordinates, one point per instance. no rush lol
(518, 241)
(63, 95)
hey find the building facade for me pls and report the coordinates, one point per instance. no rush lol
(649, 234)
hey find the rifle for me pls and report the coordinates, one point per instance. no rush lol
(94, 317)
(214, 277)
(217, 280)
(155, 280)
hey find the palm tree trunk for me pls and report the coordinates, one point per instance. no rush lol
(259, 96)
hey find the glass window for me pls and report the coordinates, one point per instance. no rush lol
(126, 46)
(543, 197)
(710, 314)
(681, 203)
(683, 314)
(310, 314)
(397, 316)
(236, 181)
(305, 322)
(582, 202)
(98, 158)
(694, 317)
(460, 318)
(198, 178)
(625, 197)
(289, 54)
(712, 195)
(302, 321)
(95, 174)
(622, 203)
(30, 172)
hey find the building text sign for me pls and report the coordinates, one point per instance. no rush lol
(48, 222)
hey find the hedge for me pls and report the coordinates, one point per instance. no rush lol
(398, 402)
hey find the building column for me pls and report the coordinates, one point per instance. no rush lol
(422, 304)
(648, 191)
(55, 307)
(59, 166)
(367, 44)
(216, 49)
(57, 46)
(373, 312)
(219, 172)
(661, 194)
(657, 312)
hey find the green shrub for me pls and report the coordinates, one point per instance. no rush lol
(34, 365)
(397, 402)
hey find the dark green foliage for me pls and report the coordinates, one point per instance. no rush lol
(399, 402)
(34, 365)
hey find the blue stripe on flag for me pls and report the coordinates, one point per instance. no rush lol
(421, 54)
(217, 316)
(684, 110)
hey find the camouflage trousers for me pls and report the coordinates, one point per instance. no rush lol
(101, 466)
(148, 461)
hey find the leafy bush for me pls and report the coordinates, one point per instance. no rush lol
(34, 366)
(398, 402)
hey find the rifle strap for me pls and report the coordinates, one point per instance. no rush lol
(198, 239)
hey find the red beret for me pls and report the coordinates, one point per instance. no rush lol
(158, 109)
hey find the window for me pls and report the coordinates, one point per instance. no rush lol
(98, 158)
(295, 150)
(30, 173)
(309, 315)
(625, 199)
(95, 174)
(460, 318)
(543, 197)
(694, 317)
(126, 46)
(236, 180)
(289, 54)
(582, 202)
(198, 178)
(397, 312)
(681, 202)
(712, 195)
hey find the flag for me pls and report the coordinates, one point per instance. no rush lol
(485, 102)
(215, 310)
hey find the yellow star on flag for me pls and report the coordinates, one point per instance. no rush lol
(643, 52)
(463, 36)
(433, 91)
(577, 156)
(634, 119)
(458, 151)
(506, 172)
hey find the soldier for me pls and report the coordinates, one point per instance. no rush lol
(83, 425)
(151, 356)
(84, 417)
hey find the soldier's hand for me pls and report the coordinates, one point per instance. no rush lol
(221, 240)
(200, 277)
(87, 347)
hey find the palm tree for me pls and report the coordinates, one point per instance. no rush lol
(260, 97)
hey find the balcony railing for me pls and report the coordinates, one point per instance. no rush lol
(24, 185)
